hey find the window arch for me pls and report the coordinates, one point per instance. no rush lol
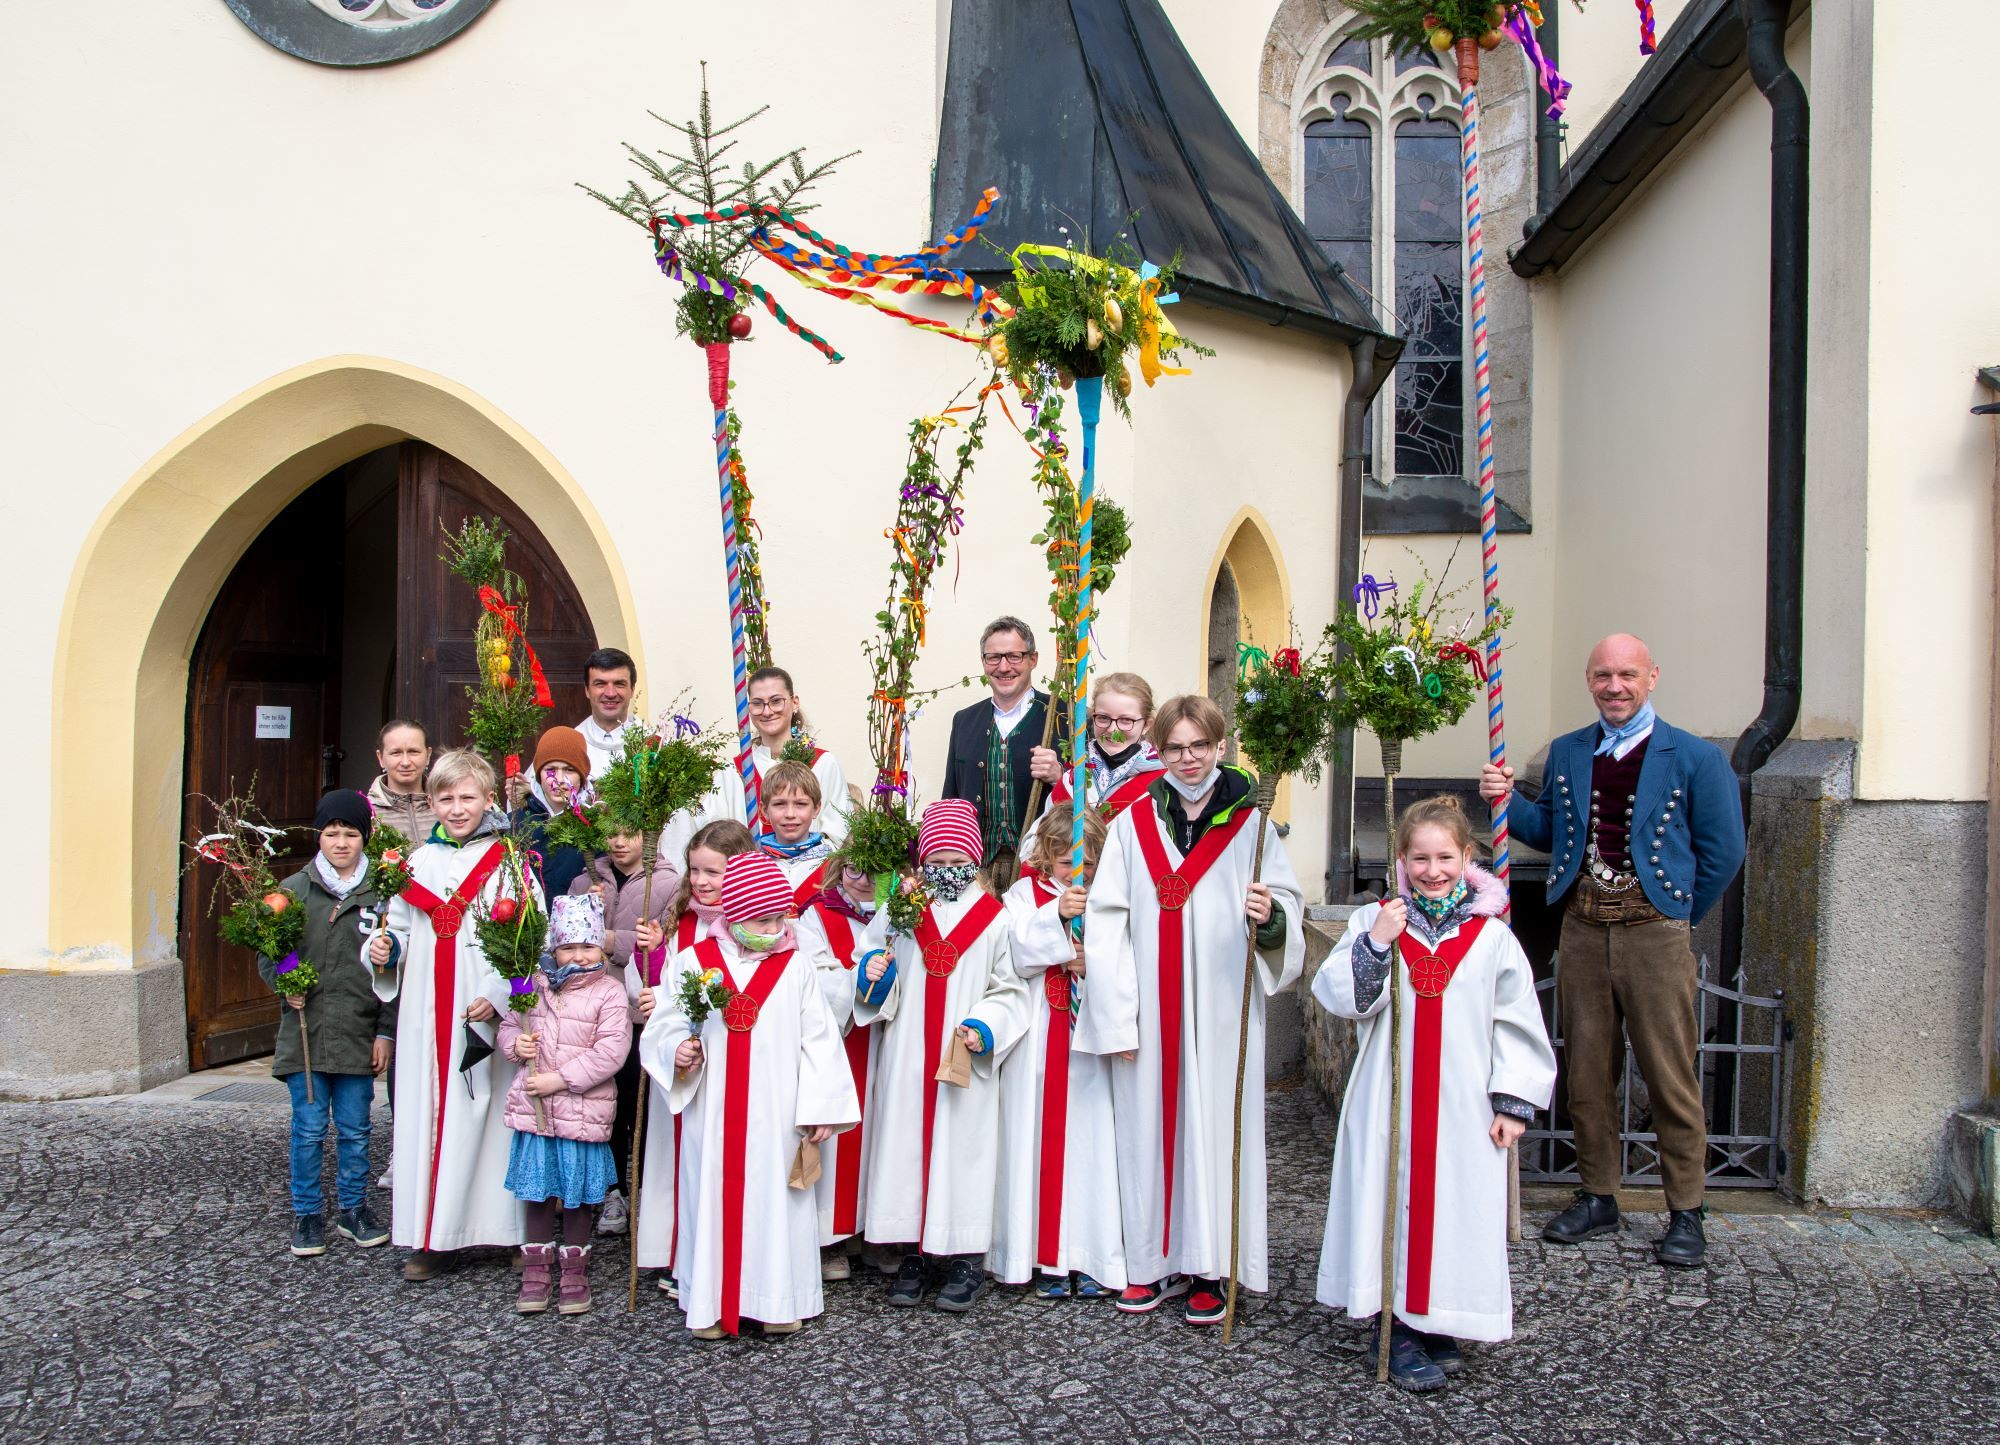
(1381, 196)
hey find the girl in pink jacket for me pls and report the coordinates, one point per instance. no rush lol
(569, 1045)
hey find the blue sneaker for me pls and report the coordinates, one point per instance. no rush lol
(1051, 1286)
(1088, 1288)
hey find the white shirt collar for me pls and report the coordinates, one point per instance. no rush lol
(590, 728)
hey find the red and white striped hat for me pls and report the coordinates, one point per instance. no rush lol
(950, 823)
(753, 886)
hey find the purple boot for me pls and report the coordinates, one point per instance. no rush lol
(537, 1278)
(575, 1298)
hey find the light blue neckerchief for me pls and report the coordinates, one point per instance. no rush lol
(1613, 736)
(778, 848)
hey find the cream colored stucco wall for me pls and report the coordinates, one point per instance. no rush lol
(1598, 53)
(198, 213)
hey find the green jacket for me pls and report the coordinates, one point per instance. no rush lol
(342, 1013)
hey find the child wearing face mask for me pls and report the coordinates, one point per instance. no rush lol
(1476, 1065)
(787, 831)
(633, 945)
(837, 917)
(695, 914)
(756, 1080)
(569, 1046)
(1058, 1219)
(934, 1150)
(1172, 911)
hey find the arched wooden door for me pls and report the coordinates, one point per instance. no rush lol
(265, 682)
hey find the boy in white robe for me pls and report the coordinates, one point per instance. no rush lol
(1172, 910)
(1476, 1065)
(839, 916)
(760, 1079)
(1058, 1216)
(451, 1139)
(932, 1149)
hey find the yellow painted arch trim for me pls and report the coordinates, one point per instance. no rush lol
(154, 563)
(1264, 594)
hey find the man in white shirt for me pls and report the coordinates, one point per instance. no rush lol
(609, 679)
(992, 739)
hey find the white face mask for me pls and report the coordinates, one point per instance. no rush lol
(1193, 792)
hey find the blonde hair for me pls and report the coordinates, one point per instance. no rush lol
(1049, 850)
(1130, 684)
(458, 765)
(1191, 707)
(724, 836)
(790, 777)
(1443, 811)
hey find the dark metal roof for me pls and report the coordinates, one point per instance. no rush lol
(1699, 61)
(1091, 114)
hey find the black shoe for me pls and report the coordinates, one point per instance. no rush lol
(359, 1225)
(1410, 1366)
(964, 1283)
(906, 1290)
(308, 1235)
(1684, 1245)
(1590, 1216)
(1443, 1350)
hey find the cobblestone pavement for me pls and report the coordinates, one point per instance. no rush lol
(146, 1294)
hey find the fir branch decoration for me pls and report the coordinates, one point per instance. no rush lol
(513, 930)
(388, 862)
(661, 772)
(1400, 673)
(701, 170)
(505, 717)
(1411, 25)
(799, 749)
(881, 843)
(1284, 714)
(579, 826)
(756, 606)
(702, 993)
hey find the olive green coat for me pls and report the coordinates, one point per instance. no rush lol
(342, 1015)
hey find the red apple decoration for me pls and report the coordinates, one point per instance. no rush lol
(739, 325)
(277, 900)
(504, 910)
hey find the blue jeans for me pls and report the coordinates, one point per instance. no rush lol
(348, 1097)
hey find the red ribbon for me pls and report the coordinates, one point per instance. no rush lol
(1176, 883)
(1470, 654)
(1426, 1059)
(444, 987)
(933, 944)
(736, 1128)
(1286, 659)
(510, 623)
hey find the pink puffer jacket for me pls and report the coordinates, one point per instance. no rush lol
(583, 1033)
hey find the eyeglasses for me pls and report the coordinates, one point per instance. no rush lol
(774, 704)
(1174, 752)
(1123, 724)
(994, 659)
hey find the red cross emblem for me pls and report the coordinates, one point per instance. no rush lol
(739, 1015)
(446, 919)
(1429, 975)
(940, 958)
(1173, 892)
(1055, 987)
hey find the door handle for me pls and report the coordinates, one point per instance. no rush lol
(330, 759)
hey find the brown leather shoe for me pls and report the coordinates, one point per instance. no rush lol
(423, 1264)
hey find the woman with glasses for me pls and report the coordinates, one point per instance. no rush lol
(1171, 910)
(778, 720)
(1122, 764)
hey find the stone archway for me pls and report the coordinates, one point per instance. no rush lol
(149, 570)
(1248, 599)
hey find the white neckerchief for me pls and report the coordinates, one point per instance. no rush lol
(603, 744)
(1006, 720)
(338, 886)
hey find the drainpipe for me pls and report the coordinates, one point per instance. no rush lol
(1785, 460)
(1548, 130)
(1374, 363)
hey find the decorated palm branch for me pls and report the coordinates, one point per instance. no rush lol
(662, 771)
(257, 914)
(1403, 672)
(1084, 319)
(506, 716)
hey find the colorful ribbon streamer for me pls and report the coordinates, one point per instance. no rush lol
(1647, 41)
(510, 623)
(1522, 27)
(1369, 594)
(1250, 657)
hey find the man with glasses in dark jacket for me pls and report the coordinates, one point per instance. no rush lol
(991, 740)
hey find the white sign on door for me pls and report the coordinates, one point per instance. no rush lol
(274, 722)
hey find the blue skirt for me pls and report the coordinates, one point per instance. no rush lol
(540, 1167)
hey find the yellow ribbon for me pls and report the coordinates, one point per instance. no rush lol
(1155, 330)
(916, 606)
(1153, 325)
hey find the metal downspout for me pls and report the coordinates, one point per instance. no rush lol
(1548, 131)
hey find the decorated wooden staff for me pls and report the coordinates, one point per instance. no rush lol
(1397, 673)
(1077, 317)
(1284, 722)
(661, 771)
(504, 717)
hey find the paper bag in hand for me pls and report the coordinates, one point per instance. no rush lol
(956, 1065)
(805, 1166)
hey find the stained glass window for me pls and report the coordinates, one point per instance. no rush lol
(1430, 300)
(1340, 203)
(1351, 51)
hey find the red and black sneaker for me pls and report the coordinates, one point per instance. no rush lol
(1143, 1299)
(1205, 1303)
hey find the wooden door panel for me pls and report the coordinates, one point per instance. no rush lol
(437, 614)
(272, 639)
